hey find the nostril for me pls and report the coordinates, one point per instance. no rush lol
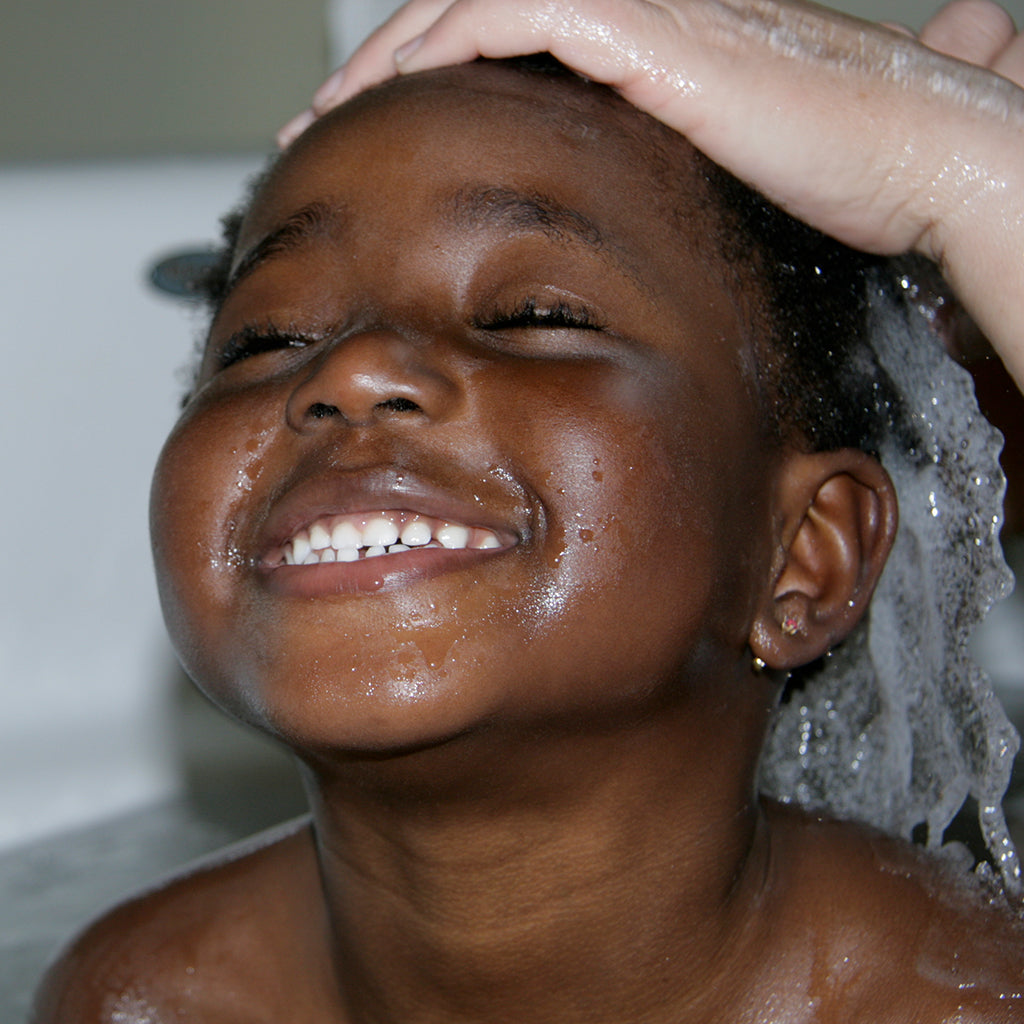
(321, 411)
(398, 405)
(324, 411)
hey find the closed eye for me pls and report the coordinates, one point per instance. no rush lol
(531, 313)
(252, 341)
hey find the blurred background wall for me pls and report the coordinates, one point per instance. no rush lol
(126, 128)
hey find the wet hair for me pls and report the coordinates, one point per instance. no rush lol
(820, 383)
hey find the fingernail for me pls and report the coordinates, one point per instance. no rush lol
(406, 50)
(294, 128)
(326, 92)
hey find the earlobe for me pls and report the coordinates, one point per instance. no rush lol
(836, 517)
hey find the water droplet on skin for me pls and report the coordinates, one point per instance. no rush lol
(555, 546)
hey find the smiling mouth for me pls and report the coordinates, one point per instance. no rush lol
(353, 537)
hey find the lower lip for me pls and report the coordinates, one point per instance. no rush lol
(370, 575)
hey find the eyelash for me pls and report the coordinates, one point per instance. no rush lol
(253, 341)
(530, 314)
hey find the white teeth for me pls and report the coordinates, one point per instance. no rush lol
(452, 536)
(319, 538)
(350, 537)
(346, 535)
(301, 547)
(416, 533)
(379, 532)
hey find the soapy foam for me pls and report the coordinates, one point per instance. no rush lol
(898, 726)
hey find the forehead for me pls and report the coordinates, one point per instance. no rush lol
(472, 142)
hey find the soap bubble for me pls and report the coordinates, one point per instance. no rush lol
(897, 727)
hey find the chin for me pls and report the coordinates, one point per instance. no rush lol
(345, 702)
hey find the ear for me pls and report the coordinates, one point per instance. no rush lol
(836, 517)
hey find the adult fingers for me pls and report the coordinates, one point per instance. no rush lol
(432, 33)
(756, 86)
(602, 39)
(372, 63)
(295, 127)
(374, 60)
(975, 31)
(979, 32)
(1010, 63)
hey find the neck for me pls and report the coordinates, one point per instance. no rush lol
(611, 876)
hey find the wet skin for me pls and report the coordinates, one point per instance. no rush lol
(587, 449)
(531, 766)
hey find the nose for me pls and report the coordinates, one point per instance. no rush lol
(369, 377)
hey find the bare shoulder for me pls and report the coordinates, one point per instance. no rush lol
(176, 953)
(900, 933)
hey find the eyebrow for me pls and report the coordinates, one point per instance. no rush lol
(528, 211)
(310, 221)
(467, 208)
(516, 210)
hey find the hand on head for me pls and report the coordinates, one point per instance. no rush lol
(431, 33)
(867, 133)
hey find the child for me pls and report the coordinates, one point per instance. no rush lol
(516, 363)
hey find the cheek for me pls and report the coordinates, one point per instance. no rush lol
(623, 584)
(647, 522)
(205, 477)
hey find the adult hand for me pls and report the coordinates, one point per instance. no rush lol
(885, 141)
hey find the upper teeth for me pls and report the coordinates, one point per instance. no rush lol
(345, 538)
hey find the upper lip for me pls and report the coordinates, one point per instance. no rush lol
(342, 492)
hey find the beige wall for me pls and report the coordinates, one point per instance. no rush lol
(131, 77)
(910, 12)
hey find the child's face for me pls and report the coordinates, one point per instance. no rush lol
(486, 308)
